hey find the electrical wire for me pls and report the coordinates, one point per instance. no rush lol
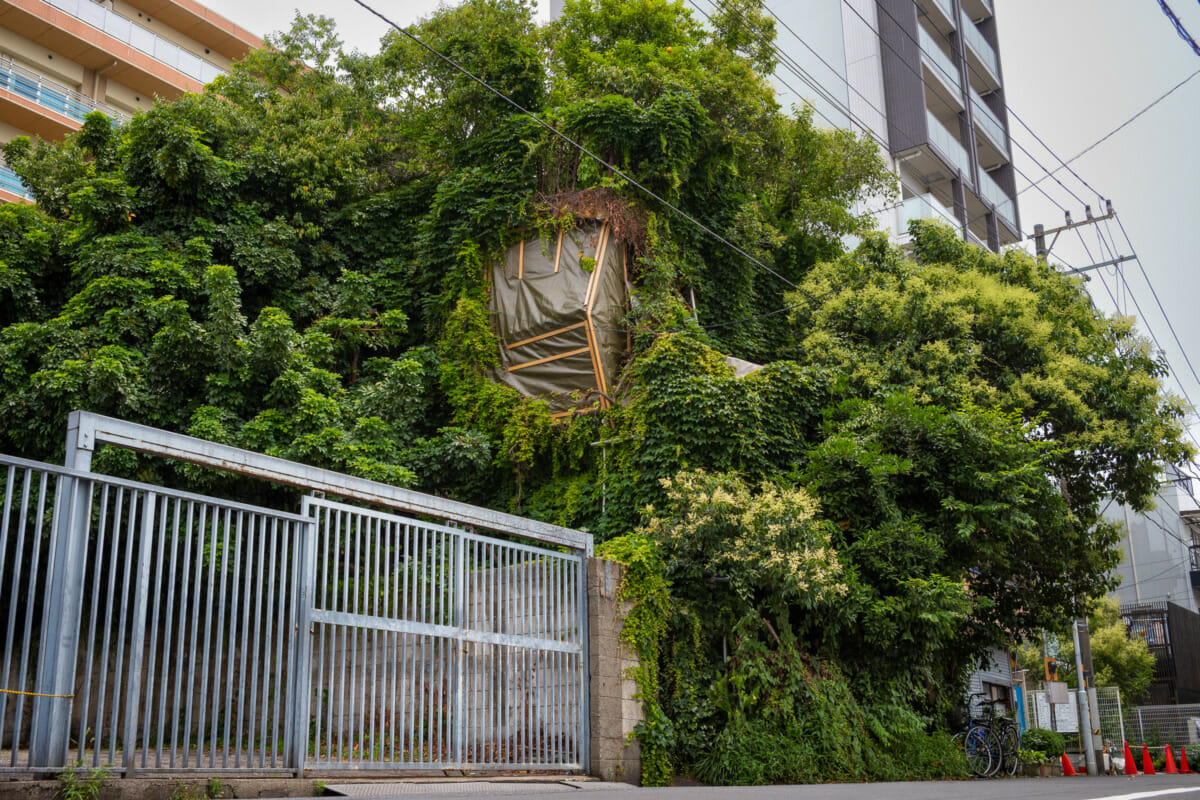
(1157, 301)
(598, 159)
(1183, 34)
(1115, 130)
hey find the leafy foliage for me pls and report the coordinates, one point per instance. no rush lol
(296, 261)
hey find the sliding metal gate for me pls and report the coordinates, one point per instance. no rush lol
(143, 628)
(435, 647)
(153, 630)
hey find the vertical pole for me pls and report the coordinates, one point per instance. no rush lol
(300, 673)
(1085, 721)
(460, 644)
(1121, 715)
(1039, 236)
(60, 626)
(137, 645)
(584, 673)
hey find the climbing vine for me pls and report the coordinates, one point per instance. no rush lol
(644, 587)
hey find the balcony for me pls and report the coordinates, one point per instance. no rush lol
(924, 206)
(984, 72)
(990, 191)
(943, 70)
(939, 13)
(11, 187)
(978, 10)
(98, 39)
(993, 144)
(143, 39)
(947, 145)
(200, 24)
(26, 96)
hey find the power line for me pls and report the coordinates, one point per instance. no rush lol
(1158, 302)
(546, 125)
(1183, 34)
(1115, 130)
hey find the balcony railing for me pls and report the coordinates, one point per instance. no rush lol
(950, 147)
(990, 190)
(988, 120)
(51, 95)
(946, 7)
(9, 182)
(150, 43)
(924, 206)
(975, 40)
(940, 61)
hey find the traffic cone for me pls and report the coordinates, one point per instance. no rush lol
(1130, 766)
(1169, 766)
(1068, 769)
(1183, 767)
(1147, 764)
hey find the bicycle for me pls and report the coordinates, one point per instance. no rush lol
(990, 742)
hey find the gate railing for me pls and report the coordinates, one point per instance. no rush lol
(182, 630)
(437, 647)
(148, 629)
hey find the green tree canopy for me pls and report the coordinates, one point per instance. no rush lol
(296, 261)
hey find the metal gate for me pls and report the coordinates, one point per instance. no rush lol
(434, 647)
(144, 628)
(153, 630)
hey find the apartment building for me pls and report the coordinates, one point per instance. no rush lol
(62, 59)
(923, 77)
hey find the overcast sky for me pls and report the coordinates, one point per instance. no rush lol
(1074, 70)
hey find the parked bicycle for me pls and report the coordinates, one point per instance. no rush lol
(990, 741)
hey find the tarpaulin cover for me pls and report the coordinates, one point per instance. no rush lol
(557, 307)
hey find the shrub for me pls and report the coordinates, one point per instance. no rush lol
(1049, 742)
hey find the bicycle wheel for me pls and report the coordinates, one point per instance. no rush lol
(978, 751)
(1010, 749)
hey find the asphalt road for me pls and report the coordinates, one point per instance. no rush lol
(1172, 787)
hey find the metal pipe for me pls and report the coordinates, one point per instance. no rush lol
(1085, 719)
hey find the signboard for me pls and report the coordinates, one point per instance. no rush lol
(1066, 715)
(1056, 692)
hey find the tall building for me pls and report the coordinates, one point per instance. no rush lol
(62, 59)
(923, 77)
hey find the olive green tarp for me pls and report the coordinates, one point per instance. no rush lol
(557, 307)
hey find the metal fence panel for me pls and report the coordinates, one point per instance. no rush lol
(27, 541)
(186, 628)
(1161, 725)
(435, 647)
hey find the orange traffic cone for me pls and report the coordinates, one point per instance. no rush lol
(1130, 766)
(1068, 769)
(1147, 764)
(1169, 766)
(1183, 767)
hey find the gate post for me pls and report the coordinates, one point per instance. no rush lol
(50, 729)
(299, 683)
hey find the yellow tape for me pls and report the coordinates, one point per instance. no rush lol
(33, 694)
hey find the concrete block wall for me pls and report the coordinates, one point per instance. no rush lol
(614, 712)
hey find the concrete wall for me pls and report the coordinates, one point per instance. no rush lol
(614, 712)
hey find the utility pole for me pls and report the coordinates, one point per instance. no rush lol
(1083, 706)
(1043, 251)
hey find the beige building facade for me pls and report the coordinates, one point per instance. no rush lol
(62, 59)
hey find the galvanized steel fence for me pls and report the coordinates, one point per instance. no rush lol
(160, 631)
(1066, 716)
(437, 647)
(1161, 725)
(185, 625)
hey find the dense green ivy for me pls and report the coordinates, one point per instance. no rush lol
(297, 260)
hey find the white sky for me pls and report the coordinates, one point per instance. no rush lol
(1073, 70)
